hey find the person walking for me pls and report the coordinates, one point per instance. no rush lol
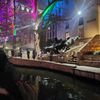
(20, 52)
(12, 52)
(28, 54)
(51, 55)
(34, 54)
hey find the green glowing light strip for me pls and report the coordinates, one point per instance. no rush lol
(49, 8)
(0, 30)
(14, 32)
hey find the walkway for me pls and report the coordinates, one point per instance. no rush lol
(84, 68)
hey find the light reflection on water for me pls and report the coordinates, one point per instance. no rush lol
(55, 86)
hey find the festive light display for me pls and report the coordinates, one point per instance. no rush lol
(15, 31)
(46, 13)
(49, 8)
(6, 16)
(19, 8)
(0, 30)
(34, 8)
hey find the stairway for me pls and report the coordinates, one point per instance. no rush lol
(90, 53)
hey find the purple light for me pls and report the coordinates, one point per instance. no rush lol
(34, 6)
(27, 9)
(10, 9)
(6, 38)
(22, 7)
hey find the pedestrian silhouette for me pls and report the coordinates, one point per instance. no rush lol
(12, 52)
(20, 52)
(34, 54)
(51, 55)
(28, 54)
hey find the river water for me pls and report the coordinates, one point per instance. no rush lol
(58, 86)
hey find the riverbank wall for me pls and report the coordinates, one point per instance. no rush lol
(78, 70)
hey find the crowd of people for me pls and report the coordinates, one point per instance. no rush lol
(21, 52)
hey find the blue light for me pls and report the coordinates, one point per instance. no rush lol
(61, 8)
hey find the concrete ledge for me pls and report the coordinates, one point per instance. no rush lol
(42, 64)
(89, 63)
(81, 71)
(86, 74)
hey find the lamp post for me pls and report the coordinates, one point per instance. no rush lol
(80, 25)
(98, 16)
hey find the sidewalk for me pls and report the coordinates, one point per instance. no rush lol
(88, 69)
(84, 68)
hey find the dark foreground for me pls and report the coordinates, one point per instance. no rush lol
(55, 86)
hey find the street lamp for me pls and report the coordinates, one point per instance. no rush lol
(79, 12)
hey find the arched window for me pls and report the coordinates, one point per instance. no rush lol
(67, 26)
(81, 21)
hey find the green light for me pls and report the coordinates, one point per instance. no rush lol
(14, 32)
(0, 30)
(49, 8)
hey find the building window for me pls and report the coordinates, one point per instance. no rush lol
(81, 21)
(67, 26)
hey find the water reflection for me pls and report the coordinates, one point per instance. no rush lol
(54, 86)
